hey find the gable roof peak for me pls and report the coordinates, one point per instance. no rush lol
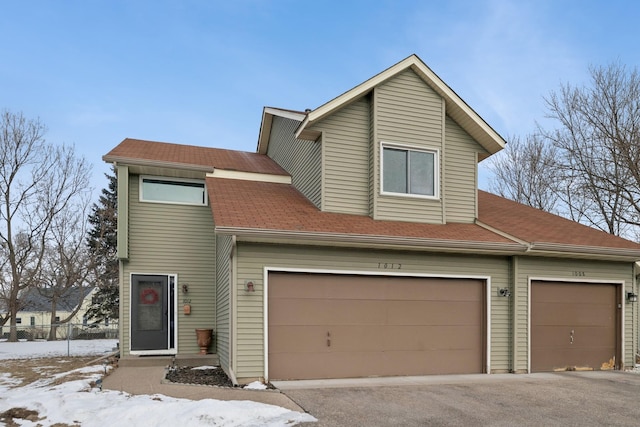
(456, 108)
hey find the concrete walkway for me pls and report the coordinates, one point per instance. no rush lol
(148, 380)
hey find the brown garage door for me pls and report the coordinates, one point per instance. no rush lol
(341, 326)
(574, 325)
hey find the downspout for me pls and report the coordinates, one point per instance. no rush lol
(514, 314)
(232, 304)
(634, 313)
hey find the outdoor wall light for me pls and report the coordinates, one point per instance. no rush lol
(249, 286)
(631, 297)
(504, 292)
(185, 288)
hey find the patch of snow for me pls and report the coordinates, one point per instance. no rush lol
(34, 349)
(77, 402)
(202, 368)
(256, 385)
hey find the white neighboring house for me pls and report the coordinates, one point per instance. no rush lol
(34, 320)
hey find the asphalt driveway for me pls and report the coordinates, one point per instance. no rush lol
(557, 399)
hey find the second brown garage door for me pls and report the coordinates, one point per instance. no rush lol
(574, 325)
(341, 326)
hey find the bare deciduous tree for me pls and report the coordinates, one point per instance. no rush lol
(66, 264)
(525, 172)
(38, 181)
(598, 140)
(596, 146)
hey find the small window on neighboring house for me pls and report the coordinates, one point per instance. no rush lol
(409, 171)
(84, 320)
(106, 321)
(174, 190)
(57, 319)
(33, 321)
(19, 320)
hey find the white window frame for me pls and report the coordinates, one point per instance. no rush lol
(406, 147)
(169, 179)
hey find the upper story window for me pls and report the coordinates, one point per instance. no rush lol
(173, 190)
(409, 171)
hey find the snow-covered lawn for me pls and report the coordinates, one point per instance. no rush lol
(72, 398)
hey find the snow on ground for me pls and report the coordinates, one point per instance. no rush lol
(77, 402)
(34, 349)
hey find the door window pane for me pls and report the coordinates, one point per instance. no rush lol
(150, 306)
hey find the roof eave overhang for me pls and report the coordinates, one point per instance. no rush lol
(155, 163)
(268, 113)
(370, 241)
(430, 245)
(585, 252)
(459, 111)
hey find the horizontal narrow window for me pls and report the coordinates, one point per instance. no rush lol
(189, 192)
(408, 171)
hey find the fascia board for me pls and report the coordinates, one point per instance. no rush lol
(371, 241)
(268, 113)
(560, 249)
(250, 176)
(156, 163)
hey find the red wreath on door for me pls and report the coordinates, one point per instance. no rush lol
(149, 296)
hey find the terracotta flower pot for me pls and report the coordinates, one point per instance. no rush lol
(204, 339)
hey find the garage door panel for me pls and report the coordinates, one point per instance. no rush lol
(285, 311)
(313, 286)
(575, 314)
(563, 359)
(577, 293)
(367, 364)
(439, 290)
(433, 312)
(421, 338)
(375, 337)
(573, 325)
(547, 336)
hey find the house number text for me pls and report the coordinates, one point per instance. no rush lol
(578, 273)
(389, 266)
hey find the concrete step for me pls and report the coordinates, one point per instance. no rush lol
(180, 360)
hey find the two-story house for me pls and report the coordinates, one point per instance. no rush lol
(356, 243)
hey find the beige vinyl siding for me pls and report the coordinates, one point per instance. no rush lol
(302, 159)
(345, 139)
(173, 239)
(572, 270)
(373, 155)
(408, 112)
(460, 183)
(223, 303)
(253, 258)
(123, 212)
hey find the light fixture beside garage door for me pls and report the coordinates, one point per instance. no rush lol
(631, 297)
(504, 292)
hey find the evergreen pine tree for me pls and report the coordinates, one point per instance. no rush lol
(102, 242)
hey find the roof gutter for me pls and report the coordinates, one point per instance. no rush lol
(503, 234)
(371, 241)
(156, 163)
(430, 245)
(620, 254)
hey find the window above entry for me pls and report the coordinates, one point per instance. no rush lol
(172, 190)
(409, 171)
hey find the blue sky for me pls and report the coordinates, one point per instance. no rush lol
(199, 72)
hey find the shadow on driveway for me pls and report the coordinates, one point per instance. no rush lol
(554, 399)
